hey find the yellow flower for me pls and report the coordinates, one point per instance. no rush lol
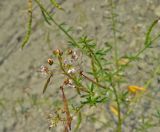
(135, 89)
(123, 61)
(114, 110)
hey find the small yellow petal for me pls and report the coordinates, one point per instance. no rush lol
(113, 110)
(123, 61)
(135, 89)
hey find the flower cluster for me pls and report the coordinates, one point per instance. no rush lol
(67, 64)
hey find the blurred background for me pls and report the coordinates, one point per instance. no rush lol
(23, 108)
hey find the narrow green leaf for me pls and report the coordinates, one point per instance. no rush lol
(45, 17)
(46, 84)
(78, 122)
(149, 31)
(55, 4)
(29, 26)
(59, 26)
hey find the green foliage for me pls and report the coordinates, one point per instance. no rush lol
(99, 80)
(55, 4)
(28, 33)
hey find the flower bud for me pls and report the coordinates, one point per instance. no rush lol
(70, 51)
(50, 61)
(66, 81)
(58, 52)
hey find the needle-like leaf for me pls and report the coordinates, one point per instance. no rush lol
(46, 84)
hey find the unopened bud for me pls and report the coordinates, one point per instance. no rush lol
(50, 61)
(66, 81)
(70, 51)
(57, 52)
(81, 73)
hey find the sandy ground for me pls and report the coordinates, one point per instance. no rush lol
(23, 108)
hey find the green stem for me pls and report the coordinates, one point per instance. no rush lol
(131, 60)
(59, 26)
(66, 33)
(114, 33)
(94, 56)
(91, 80)
(29, 26)
(94, 70)
(136, 98)
(81, 88)
(147, 44)
(119, 127)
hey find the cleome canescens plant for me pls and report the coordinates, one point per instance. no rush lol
(88, 72)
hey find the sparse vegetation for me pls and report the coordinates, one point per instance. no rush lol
(93, 77)
(100, 81)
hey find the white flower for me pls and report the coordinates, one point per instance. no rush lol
(44, 69)
(74, 56)
(70, 84)
(71, 71)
